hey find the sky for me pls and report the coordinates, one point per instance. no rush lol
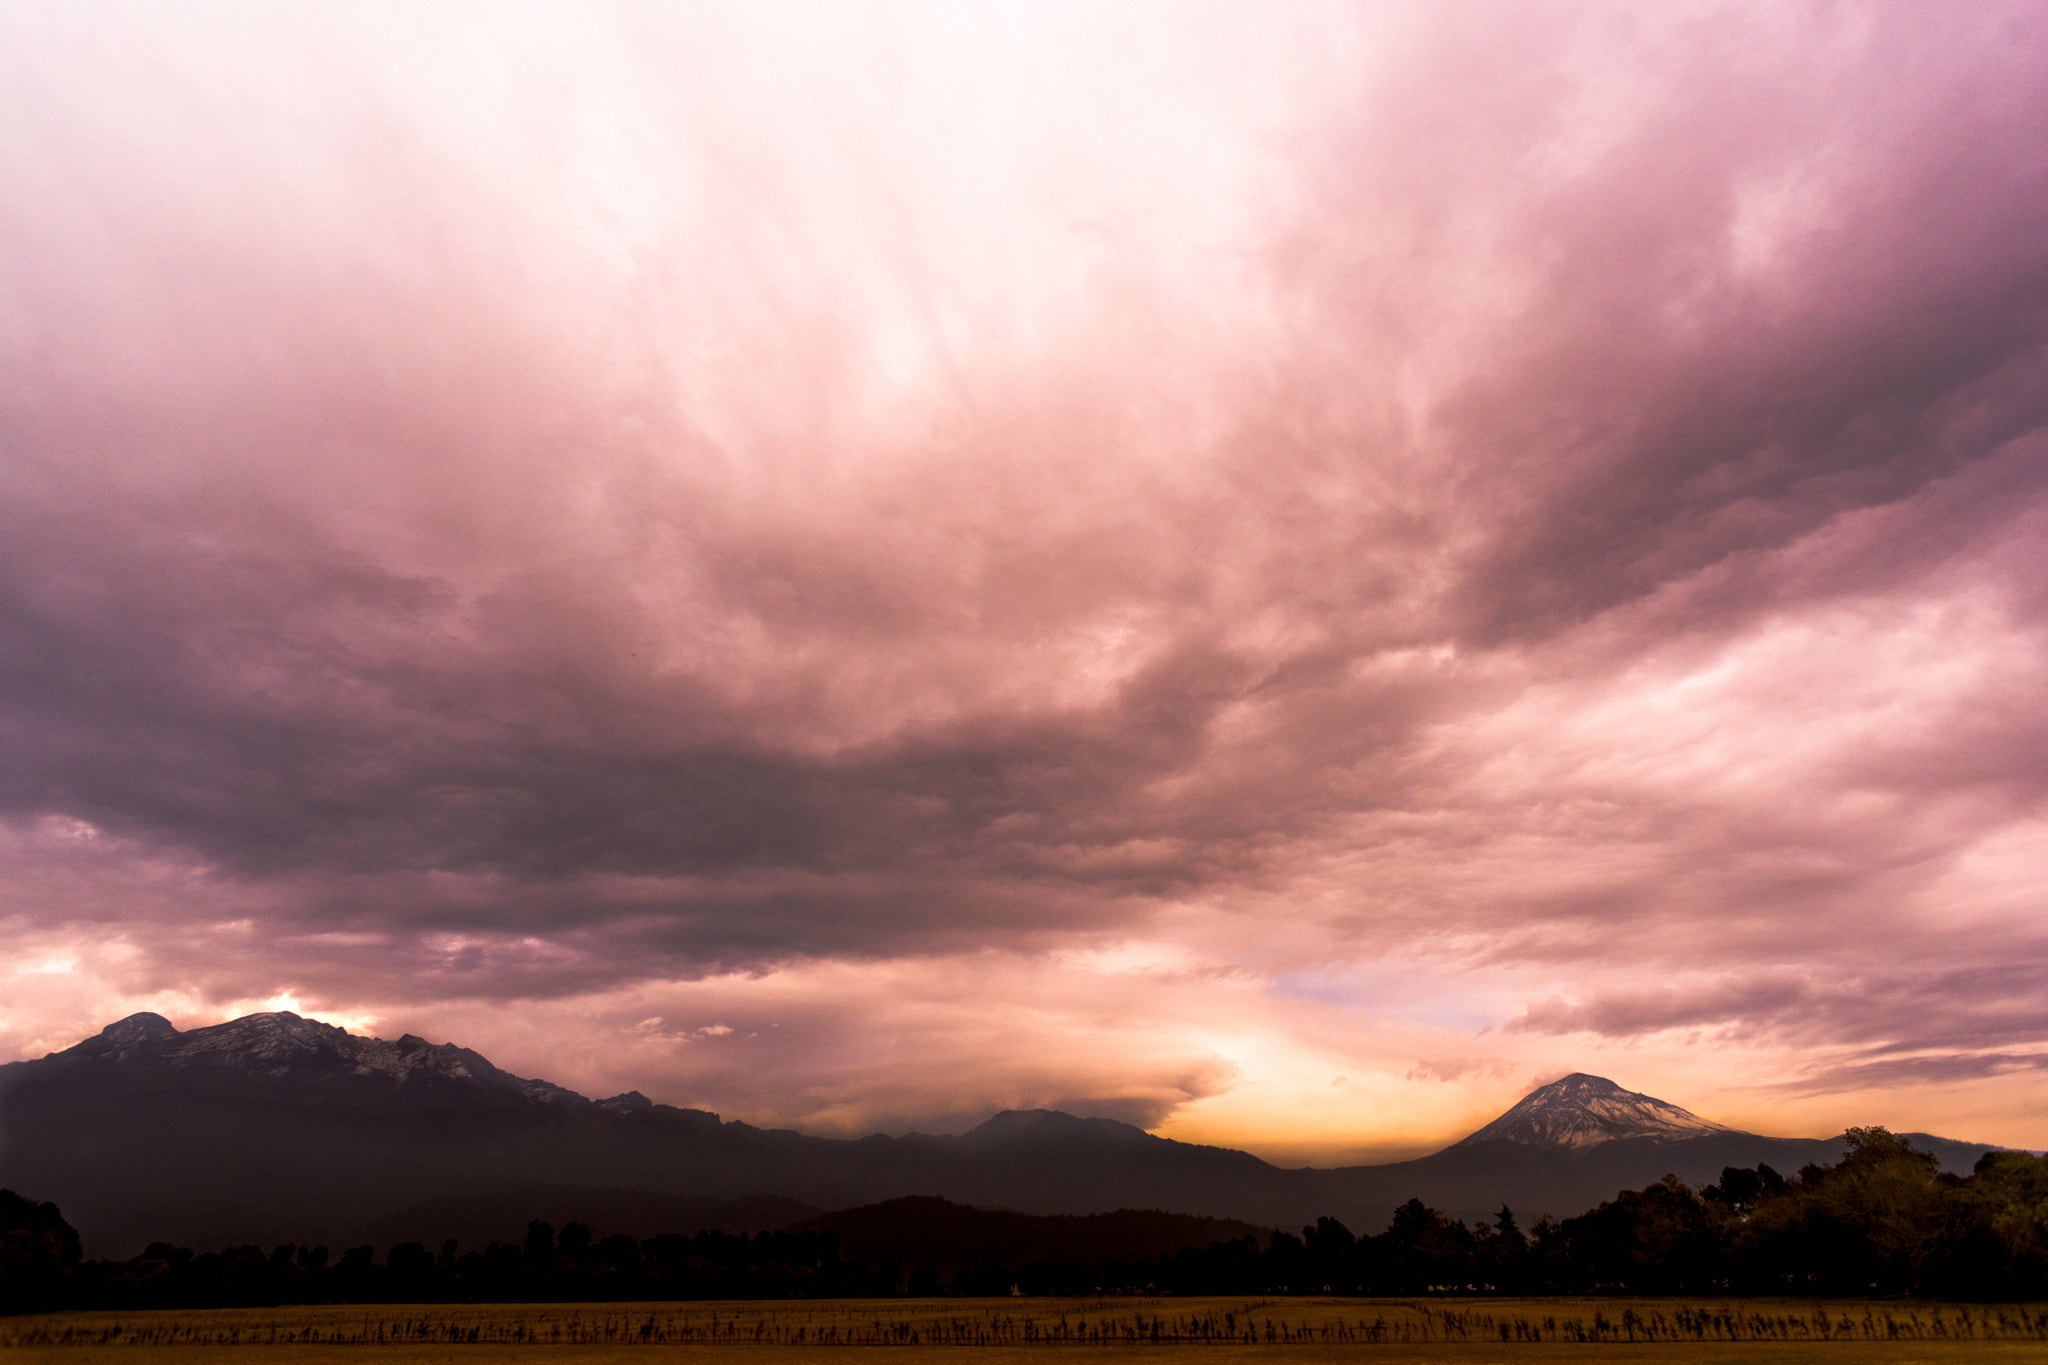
(1280, 574)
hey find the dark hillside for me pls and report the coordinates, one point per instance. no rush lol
(502, 1214)
(940, 1235)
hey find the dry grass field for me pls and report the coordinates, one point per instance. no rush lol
(995, 1330)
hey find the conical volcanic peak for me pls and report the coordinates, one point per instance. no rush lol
(1014, 1128)
(1585, 1111)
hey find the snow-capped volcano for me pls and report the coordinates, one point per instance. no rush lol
(285, 1048)
(1585, 1111)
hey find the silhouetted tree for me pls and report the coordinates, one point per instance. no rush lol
(1420, 1249)
(539, 1245)
(1502, 1253)
(38, 1253)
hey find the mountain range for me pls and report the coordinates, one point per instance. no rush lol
(274, 1128)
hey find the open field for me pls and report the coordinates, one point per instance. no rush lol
(1389, 1330)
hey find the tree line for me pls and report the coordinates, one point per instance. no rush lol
(1883, 1221)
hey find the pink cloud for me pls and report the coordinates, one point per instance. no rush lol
(557, 508)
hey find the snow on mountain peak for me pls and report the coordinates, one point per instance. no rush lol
(285, 1046)
(1585, 1111)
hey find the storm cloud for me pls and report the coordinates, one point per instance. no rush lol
(1379, 533)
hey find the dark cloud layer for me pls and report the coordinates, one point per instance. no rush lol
(517, 508)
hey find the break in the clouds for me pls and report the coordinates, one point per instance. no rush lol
(1278, 574)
